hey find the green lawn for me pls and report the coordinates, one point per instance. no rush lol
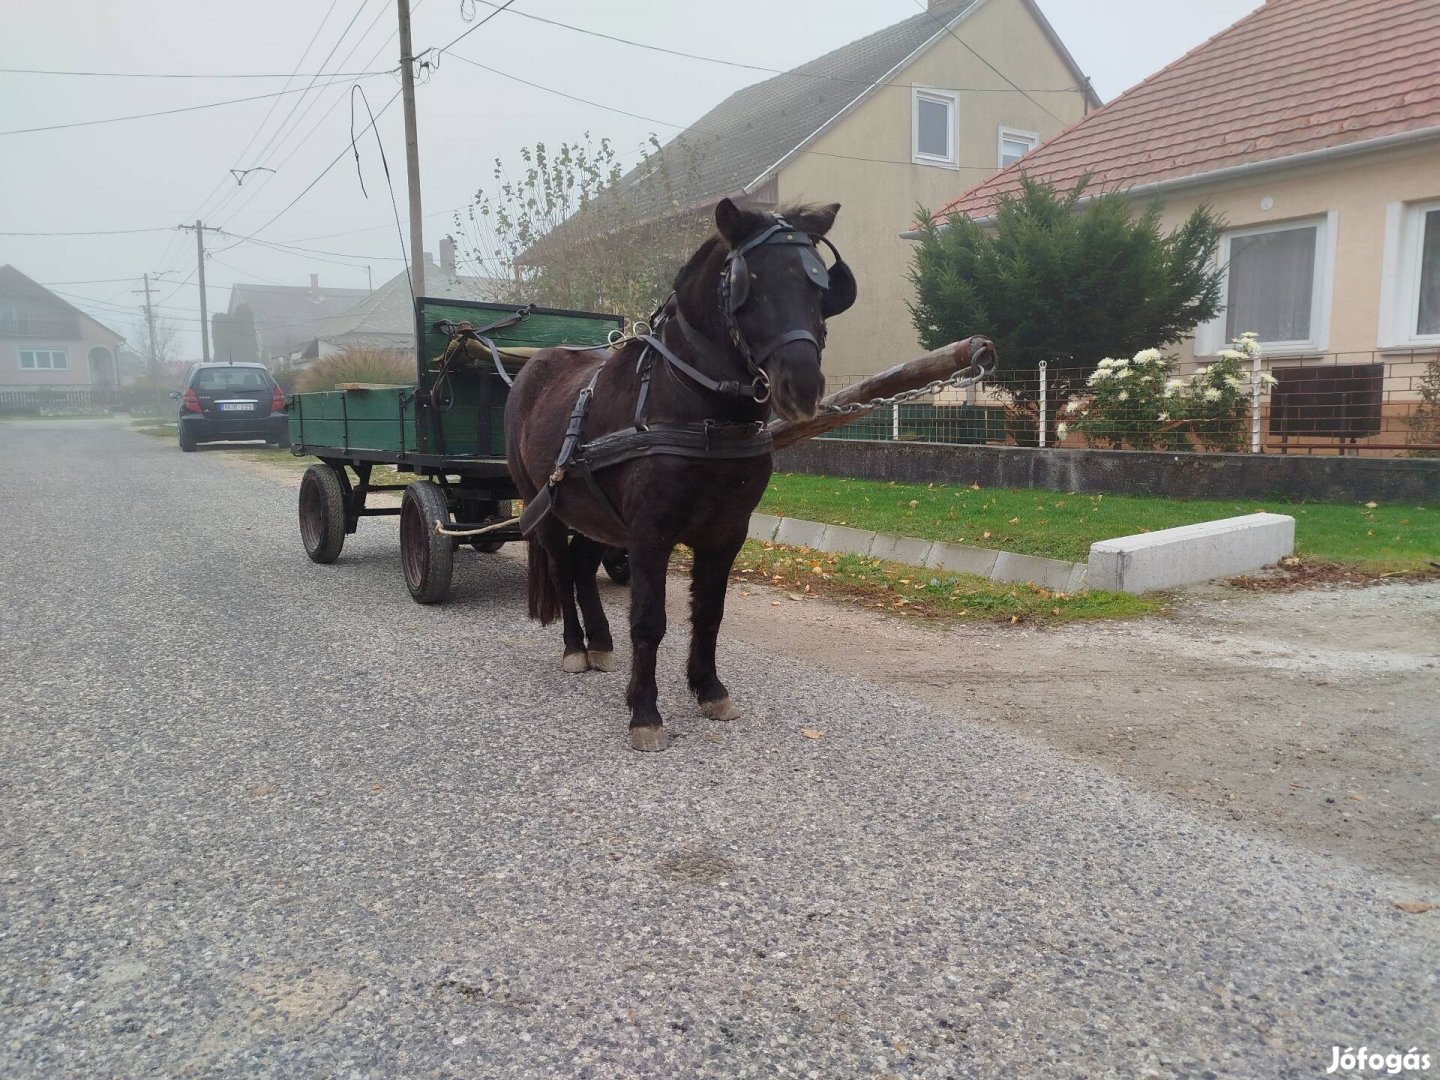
(1063, 526)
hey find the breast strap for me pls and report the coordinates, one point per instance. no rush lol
(706, 439)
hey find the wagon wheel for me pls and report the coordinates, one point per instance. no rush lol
(427, 557)
(617, 564)
(324, 497)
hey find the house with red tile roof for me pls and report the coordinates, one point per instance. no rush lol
(1313, 128)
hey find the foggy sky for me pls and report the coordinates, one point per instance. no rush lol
(156, 173)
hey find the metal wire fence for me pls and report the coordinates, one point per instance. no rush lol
(1347, 403)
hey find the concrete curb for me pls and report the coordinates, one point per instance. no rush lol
(1135, 564)
(934, 555)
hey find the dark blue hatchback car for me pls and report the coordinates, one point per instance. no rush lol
(230, 403)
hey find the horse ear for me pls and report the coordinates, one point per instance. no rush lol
(730, 221)
(815, 220)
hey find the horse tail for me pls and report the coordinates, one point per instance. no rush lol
(543, 599)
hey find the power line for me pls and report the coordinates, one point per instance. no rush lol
(160, 112)
(280, 132)
(268, 113)
(757, 67)
(337, 159)
(467, 33)
(688, 127)
(185, 75)
(946, 27)
(93, 232)
(305, 140)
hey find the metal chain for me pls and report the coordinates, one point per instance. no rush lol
(959, 380)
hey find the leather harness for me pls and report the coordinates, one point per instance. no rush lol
(707, 438)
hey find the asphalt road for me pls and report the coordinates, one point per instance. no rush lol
(264, 818)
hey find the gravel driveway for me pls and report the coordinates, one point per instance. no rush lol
(264, 818)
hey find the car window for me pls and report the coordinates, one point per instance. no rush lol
(225, 379)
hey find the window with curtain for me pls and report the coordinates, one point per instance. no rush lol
(933, 127)
(1271, 284)
(1014, 145)
(1427, 315)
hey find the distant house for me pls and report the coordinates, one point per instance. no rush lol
(289, 316)
(901, 117)
(385, 319)
(1313, 127)
(48, 342)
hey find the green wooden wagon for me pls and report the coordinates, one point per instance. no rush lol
(448, 429)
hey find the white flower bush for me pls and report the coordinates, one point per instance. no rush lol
(1139, 402)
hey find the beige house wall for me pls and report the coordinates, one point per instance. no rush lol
(879, 194)
(1357, 192)
(1355, 195)
(77, 352)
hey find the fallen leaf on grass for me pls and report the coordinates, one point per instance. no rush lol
(1413, 908)
(811, 733)
(795, 596)
(1371, 505)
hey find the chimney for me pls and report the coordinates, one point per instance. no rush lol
(447, 257)
(315, 287)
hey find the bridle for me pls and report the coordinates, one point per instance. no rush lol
(734, 292)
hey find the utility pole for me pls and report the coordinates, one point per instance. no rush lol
(412, 151)
(200, 257)
(150, 324)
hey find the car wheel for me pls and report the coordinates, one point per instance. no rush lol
(187, 441)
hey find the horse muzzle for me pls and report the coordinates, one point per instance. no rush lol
(796, 381)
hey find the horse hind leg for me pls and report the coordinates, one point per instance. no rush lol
(554, 545)
(585, 560)
(708, 581)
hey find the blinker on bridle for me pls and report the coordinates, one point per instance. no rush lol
(735, 288)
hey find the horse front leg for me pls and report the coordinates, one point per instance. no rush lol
(708, 580)
(648, 565)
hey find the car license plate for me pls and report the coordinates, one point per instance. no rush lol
(237, 406)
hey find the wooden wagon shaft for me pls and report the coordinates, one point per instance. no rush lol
(940, 363)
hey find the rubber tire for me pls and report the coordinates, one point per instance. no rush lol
(617, 565)
(323, 495)
(187, 442)
(427, 558)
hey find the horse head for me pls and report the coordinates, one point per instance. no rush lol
(770, 297)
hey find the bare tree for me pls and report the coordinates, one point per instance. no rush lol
(574, 230)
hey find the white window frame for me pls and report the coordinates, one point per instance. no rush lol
(52, 351)
(1015, 135)
(1400, 277)
(951, 100)
(1210, 337)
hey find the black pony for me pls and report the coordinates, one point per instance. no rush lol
(662, 442)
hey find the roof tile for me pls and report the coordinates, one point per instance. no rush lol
(1286, 79)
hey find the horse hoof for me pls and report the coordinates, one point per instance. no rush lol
(723, 709)
(648, 739)
(602, 661)
(576, 662)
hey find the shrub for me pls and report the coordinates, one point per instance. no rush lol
(356, 366)
(1139, 403)
(1424, 422)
